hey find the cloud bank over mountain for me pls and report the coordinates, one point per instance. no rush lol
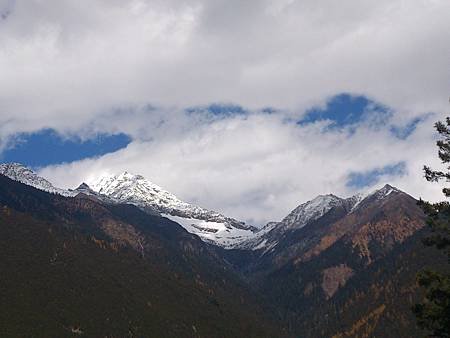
(148, 69)
(259, 166)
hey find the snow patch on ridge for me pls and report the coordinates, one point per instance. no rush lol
(213, 232)
(310, 211)
(20, 173)
(267, 238)
(211, 226)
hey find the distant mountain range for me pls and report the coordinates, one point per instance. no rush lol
(211, 226)
(334, 267)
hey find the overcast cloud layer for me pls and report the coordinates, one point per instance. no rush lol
(135, 66)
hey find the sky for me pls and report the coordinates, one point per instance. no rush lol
(245, 107)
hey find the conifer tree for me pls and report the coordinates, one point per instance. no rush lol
(433, 314)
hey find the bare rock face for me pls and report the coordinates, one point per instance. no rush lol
(334, 278)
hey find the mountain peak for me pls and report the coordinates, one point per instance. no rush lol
(21, 173)
(126, 187)
(209, 225)
(385, 191)
(128, 175)
(310, 210)
(379, 194)
(389, 187)
(83, 186)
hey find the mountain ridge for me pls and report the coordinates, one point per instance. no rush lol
(210, 226)
(307, 212)
(19, 172)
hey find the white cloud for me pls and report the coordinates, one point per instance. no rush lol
(258, 167)
(83, 68)
(63, 63)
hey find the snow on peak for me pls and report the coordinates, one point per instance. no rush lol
(385, 191)
(305, 213)
(378, 194)
(209, 225)
(310, 211)
(135, 189)
(267, 238)
(18, 172)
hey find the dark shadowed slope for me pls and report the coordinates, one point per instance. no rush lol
(332, 268)
(73, 266)
(351, 272)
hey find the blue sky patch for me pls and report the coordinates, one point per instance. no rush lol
(47, 147)
(371, 177)
(346, 109)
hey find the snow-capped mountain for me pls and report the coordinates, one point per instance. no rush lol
(379, 194)
(310, 210)
(302, 215)
(268, 237)
(19, 172)
(211, 226)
